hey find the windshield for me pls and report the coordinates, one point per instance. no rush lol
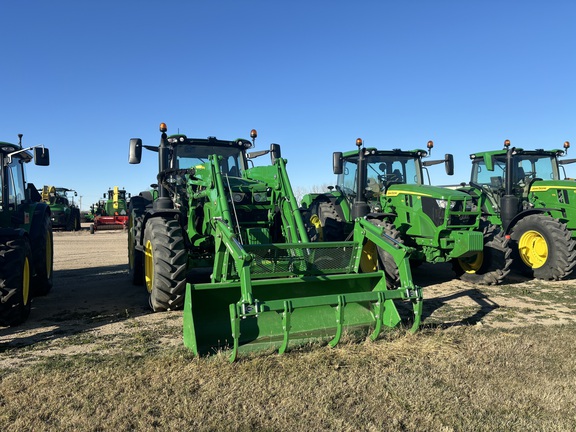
(382, 171)
(526, 168)
(121, 194)
(188, 156)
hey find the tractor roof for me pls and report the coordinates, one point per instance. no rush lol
(537, 152)
(7, 148)
(394, 152)
(210, 141)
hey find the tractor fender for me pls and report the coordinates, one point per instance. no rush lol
(523, 214)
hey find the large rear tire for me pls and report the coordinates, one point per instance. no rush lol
(323, 222)
(165, 259)
(542, 247)
(43, 253)
(492, 265)
(15, 277)
(136, 212)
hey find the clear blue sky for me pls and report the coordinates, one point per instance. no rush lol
(83, 78)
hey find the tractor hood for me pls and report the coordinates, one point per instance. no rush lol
(238, 184)
(545, 185)
(426, 191)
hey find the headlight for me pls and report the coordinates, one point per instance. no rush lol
(442, 204)
(260, 197)
(238, 197)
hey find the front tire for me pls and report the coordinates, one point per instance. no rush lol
(543, 247)
(492, 265)
(15, 276)
(165, 259)
(387, 262)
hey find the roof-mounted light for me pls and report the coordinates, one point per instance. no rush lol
(163, 127)
(359, 142)
(506, 144)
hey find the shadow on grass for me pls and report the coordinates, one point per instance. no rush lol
(486, 306)
(80, 300)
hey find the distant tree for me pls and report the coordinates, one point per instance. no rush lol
(300, 191)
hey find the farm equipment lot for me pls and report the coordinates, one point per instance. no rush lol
(93, 357)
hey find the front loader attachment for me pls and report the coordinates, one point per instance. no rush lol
(272, 295)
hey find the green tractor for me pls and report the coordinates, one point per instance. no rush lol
(26, 248)
(225, 240)
(387, 188)
(522, 191)
(65, 212)
(111, 213)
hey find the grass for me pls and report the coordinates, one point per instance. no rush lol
(458, 379)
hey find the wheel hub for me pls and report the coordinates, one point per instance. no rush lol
(533, 249)
(472, 264)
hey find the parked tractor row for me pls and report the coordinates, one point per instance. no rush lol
(227, 241)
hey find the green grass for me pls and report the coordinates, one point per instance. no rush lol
(462, 378)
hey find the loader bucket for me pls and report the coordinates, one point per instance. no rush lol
(317, 301)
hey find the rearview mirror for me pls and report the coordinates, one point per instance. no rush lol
(275, 152)
(449, 164)
(337, 162)
(135, 151)
(41, 156)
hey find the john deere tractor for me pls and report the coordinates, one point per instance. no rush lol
(65, 212)
(522, 191)
(225, 240)
(26, 248)
(387, 188)
(111, 212)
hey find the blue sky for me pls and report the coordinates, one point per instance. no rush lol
(83, 78)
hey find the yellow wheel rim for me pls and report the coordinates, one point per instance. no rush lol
(533, 249)
(472, 264)
(26, 282)
(148, 266)
(369, 259)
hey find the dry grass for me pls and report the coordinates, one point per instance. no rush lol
(459, 379)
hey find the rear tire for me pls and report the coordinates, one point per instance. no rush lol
(492, 265)
(137, 208)
(328, 227)
(542, 247)
(165, 259)
(43, 253)
(15, 276)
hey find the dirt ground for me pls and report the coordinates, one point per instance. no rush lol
(94, 306)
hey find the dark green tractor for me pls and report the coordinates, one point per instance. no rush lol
(225, 240)
(26, 249)
(65, 212)
(523, 192)
(388, 188)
